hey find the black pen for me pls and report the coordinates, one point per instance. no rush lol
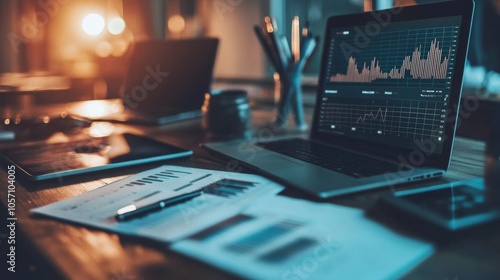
(131, 211)
(268, 48)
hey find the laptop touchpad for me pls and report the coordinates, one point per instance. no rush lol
(276, 162)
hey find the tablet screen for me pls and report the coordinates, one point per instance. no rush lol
(91, 154)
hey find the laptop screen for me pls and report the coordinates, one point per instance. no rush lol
(169, 76)
(390, 82)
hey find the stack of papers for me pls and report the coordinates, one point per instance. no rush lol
(255, 234)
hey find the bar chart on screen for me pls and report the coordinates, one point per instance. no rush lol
(405, 57)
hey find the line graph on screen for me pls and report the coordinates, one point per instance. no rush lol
(415, 119)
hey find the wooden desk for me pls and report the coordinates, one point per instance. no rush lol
(50, 249)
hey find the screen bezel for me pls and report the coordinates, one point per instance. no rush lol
(426, 11)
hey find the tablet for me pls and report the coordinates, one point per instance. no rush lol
(452, 206)
(49, 161)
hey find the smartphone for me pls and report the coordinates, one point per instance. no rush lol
(451, 206)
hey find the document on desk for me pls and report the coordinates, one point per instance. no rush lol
(285, 238)
(225, 194)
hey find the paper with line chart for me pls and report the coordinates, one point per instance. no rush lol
(229, 194)
(392, 86)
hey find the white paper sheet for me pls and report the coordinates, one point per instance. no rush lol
(286, 238)
(97, 208)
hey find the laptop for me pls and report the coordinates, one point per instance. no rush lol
(386, 107)
(166, 81)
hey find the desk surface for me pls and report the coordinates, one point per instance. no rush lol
(62, 250)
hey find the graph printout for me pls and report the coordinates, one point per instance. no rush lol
(286, 238)
(226, 194)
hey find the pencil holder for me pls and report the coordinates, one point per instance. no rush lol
(289, 63)
(290, 97)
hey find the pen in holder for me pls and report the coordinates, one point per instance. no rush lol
(289, 64)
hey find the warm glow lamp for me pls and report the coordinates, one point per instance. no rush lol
(93, 24)
(116, 25)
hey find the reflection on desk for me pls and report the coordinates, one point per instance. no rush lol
(68, 251)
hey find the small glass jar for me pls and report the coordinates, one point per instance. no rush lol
(226, 114)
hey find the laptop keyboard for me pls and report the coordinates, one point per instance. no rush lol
(334, 159)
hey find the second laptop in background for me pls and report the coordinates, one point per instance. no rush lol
(166, 81)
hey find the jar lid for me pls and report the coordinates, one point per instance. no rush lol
(228, 93)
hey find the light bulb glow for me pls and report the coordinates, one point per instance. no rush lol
(103, 49)
(116, 25)
(176, 23)
(93, 24)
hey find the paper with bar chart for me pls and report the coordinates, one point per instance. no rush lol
(225, 194)
(286, 238)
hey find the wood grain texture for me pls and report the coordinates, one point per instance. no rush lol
(71, 251)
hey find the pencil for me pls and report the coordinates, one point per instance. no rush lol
(296, 39)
